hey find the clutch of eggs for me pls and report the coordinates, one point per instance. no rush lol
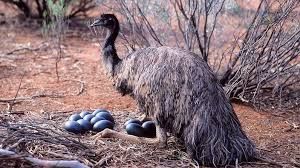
(85, 121)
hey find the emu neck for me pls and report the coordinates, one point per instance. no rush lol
(110, 56)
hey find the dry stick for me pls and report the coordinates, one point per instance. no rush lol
(56, 163)
(10, 107)
(148, 25)
(81, 88)
(30, 98)
(178, 22)
(103, 161)
(272, 162)
(6, 154)
(193, 24)
(25, 48)
(138, 29)
(69, 157)
(15, 144)
(123, 36)
(213, 27)
(82, 7)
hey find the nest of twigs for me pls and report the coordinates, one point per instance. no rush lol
(41, 141)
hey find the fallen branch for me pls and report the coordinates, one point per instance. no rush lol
(44, 44)
(69, 157)
(31, 97)
(11, 104)
(8, 155)
(56, 163)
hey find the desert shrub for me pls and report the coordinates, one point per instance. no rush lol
(40, 8)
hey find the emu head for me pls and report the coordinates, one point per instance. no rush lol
(106, 20)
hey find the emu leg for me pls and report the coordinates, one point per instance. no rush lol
(161, 137)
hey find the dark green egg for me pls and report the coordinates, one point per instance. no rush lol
(74, 127)
(86, 125)
(102, 124)
(96, 119)
(135, 129)
(88, 117)
(106, 115)
(75, 117)
(84, 113)
(132, 121)
(98, 111)
(150, 129)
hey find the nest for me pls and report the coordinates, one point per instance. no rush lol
(41, 141)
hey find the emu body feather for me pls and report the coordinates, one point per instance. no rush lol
(178, 89)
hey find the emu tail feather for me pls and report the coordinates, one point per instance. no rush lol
(219, 147)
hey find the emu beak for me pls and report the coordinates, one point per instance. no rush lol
(97, 22)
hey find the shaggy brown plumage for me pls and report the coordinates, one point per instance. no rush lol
(178, 89)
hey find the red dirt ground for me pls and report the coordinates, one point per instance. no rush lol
(274, 136)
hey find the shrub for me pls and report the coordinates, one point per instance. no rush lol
(40, 8)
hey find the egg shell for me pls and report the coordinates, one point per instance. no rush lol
(102, 124)
(99, 110)
(74, 127)
(150, 129)
(133, 121)
(135, 129)
(106, 115)
(88, 117)
(75, 117)
(96, 119)
(86, 125)
(84, 113)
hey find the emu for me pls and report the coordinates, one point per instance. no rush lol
(178, 90)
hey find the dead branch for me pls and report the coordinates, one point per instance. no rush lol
(40, 9)
(11, 104)
(40, 47)
(56, 163)
(31, 97)
(9, 155)
(80, 7)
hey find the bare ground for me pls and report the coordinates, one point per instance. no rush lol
(25, 54)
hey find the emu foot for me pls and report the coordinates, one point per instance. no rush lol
(108, 133)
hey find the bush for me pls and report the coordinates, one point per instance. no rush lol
(40, 8)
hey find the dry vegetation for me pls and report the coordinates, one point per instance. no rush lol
(34, 105)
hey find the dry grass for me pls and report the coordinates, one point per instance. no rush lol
(43, 137)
